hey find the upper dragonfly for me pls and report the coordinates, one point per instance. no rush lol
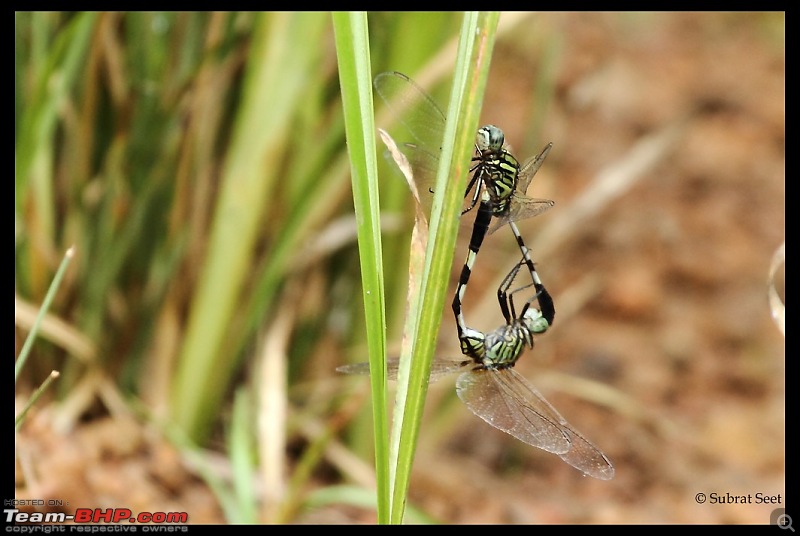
(497, 180)
(496, 175)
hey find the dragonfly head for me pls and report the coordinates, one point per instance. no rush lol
(489, 139)
(534, 321)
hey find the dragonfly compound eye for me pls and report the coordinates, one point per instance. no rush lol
(534, 321)
(490, 138)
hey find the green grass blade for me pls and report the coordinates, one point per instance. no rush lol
(278, 52)
(34, 397)
(355, 76)
(51, 55)
(48, 299)
(471, 72)
(242, 455)
(61, 69)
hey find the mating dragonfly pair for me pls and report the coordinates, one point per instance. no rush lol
(488, 384)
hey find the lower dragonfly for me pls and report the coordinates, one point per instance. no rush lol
(495, 392)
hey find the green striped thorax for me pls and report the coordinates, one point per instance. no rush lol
(497, 168)
(504, 346)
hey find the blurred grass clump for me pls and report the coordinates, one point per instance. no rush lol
(197, 162)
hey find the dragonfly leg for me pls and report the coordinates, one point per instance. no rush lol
(475, 181)
(505, 298)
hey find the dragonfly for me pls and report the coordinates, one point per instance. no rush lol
(498, 183)
(490, 387)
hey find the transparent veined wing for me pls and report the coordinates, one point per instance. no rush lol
(506, 400)
(521, 206)
(414, 108)
(439, 368)
(492, 395)
(424, 123)
(529, 169)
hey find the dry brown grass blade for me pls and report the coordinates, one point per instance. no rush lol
(419, 235)
(55, 330)
(272, 405)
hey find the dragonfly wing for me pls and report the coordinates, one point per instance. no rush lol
(529, 169)
(413, 107)
(424, 166)
(520, 208)
(361, 369)
(424, 124)
(498, 397)
(439, 368)
(442, 367)
(418, 168)
(582, 454)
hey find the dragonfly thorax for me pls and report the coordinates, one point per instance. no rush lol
(497, 169)
(504, 345)
(499, 173)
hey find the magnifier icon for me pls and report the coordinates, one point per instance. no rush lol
(785, 522)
